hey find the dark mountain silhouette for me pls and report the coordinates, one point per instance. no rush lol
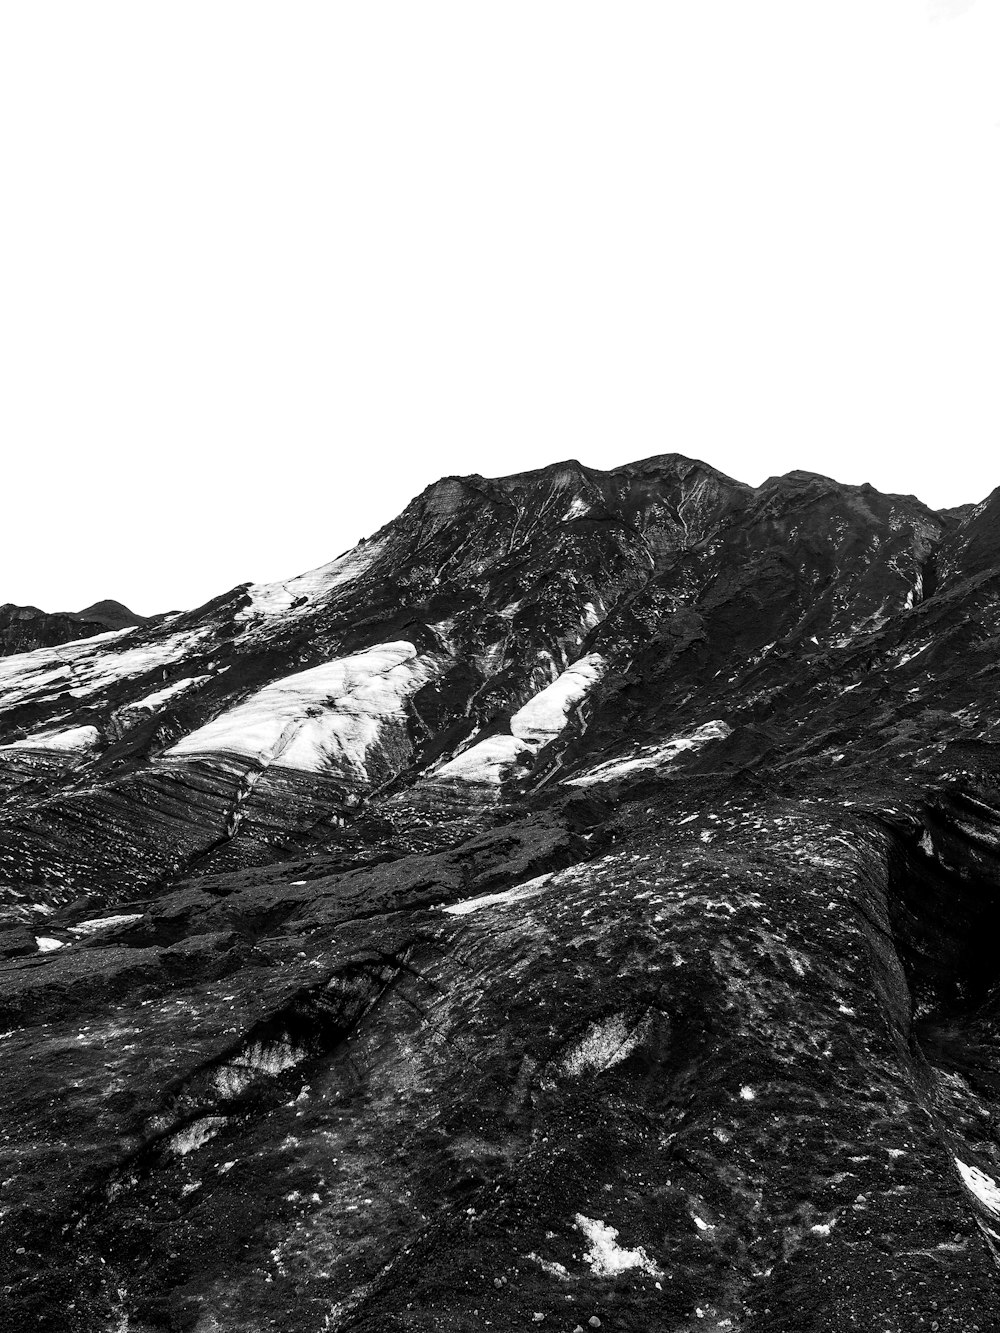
(577, 905)
(24, 628)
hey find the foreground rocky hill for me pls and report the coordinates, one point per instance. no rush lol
(576, 906)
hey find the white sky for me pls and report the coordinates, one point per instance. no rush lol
(267, 270)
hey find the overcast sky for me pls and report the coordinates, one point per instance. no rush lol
(267, 270)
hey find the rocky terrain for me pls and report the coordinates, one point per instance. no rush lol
(578, 906)
(24, 628)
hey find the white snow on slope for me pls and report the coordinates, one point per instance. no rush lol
(325, 719)
(591, 617)
(543, 717)
(487, 761)
(603, 1045)
(152, 702)
(196, 1134)
(540, 720)
(270, 599)
(74, 738)
(606, 1257)
(653, 756)
(908, 657)
(99, 923)
(549, 1266)
(984, 1187)
(87, 665)
(529, 889)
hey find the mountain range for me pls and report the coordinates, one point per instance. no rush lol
(577, 905)
(24, 628)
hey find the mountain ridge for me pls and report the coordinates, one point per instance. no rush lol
(574, 902)
(24, 628)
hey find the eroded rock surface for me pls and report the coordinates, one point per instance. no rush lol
(578, 903)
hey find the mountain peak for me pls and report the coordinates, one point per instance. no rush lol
(111, 613)
(23, 628)
(505, 911)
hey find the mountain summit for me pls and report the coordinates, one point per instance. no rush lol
(23, 628)
(576, 905)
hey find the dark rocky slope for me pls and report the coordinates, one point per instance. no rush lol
(24, 628)
(579, 902)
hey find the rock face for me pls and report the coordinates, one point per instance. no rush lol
(580, 902)
(24, 628)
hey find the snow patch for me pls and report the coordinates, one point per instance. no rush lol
(46, 943)
(260, 1059)
(549, 1266)
(74, 738)
(529, 889)
(487, 761)
(606, 1257)
(653, 756)
(88, 665)
(151, 703)
(105, 923)
(984, 1187)
(539, 721)
(196, 1134)
(604, 1044)
(908, 657)
(543, 717)
(326, 719)
(298, 595)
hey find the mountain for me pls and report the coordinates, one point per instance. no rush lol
(576, 905)
(24, 628)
